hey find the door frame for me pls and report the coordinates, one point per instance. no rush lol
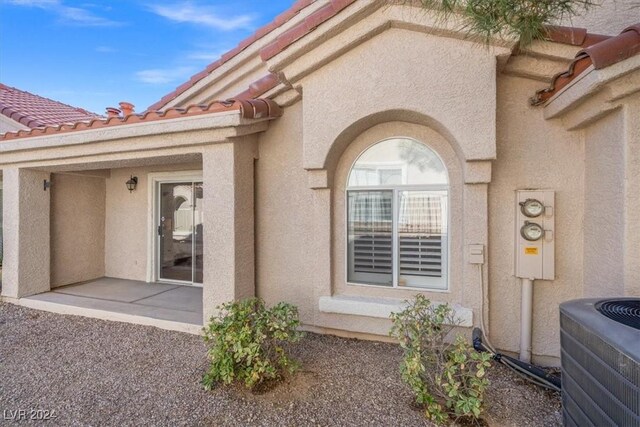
(153, 207)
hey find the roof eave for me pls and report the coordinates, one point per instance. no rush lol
(254, 108)
(591, 83)
(231, 120)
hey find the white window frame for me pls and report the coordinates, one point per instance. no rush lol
(395, 249)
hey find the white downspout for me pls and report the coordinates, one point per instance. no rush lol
(526, 321)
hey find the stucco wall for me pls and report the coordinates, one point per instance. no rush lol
(228, 221)
(345, 107)
(608, 17)
(604, 201)
(283, 223)
(126, 221)
(77, 228)
(533, 153)
(26, 270)
(408, 71)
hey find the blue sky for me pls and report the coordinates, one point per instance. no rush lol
(95, 54)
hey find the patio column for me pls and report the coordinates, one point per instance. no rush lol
(228, 222)
(26, 260)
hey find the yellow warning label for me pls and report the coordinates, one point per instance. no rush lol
(531, 251)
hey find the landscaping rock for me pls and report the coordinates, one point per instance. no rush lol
(93, 372)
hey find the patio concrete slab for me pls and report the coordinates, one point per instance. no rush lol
(162, 305)
(112, 289)
(132, 309)
(186, 298)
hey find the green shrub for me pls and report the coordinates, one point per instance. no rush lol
(247, 342)
(447, 377)
(525, 20)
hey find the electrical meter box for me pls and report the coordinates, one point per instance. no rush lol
(535, 234)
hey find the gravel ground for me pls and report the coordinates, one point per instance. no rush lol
(93, 372)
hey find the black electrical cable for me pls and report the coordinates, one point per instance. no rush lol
(534, 374)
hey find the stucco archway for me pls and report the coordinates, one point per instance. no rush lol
(333, 152)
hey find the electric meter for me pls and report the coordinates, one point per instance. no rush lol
(532, 208)
(535, 238)
(531, 231)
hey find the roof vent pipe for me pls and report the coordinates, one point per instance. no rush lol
(127, 108)
(112, 112)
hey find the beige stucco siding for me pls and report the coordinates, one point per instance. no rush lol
(26, 228)
(77, 228)
(381, 89)
(533, 153)
(411, 72)
(604, 207)
(127, 220)
(345, 108)
(284, 226)
(607, 17)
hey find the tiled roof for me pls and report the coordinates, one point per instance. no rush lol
(261, 32)
(602, 54)
(248, 108)
(259, 87)
(35, 111)
(329, 10)
(558, 34)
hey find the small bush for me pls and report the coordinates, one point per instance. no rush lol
(246, 342)
(447, 377)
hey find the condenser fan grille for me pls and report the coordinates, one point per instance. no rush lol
(625, 311)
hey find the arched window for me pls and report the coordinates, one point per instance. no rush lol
(397, 215)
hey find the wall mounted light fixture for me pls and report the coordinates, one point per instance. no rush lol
(47, 184)
(132, 183)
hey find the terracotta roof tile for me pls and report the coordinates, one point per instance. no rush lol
(615, 49)
(34, 110)
(572, 35)
(261, 32)
(255, 108)
(602, 54)
(209, 69)
(321, 15)
(259, 87)
(201, 75)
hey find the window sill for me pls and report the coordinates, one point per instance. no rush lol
(401, 288)
(381, 307)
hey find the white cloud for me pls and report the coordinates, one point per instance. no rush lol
(206, 55)
(33, 3)
(191, 14)
(164, 75)
(75, 15)
(106, 49)
(66, 14)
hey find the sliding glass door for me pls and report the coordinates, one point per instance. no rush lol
(180, 243)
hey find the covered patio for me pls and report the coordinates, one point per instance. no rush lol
(80, 241)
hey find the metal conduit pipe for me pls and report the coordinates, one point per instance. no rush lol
(526, 320)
